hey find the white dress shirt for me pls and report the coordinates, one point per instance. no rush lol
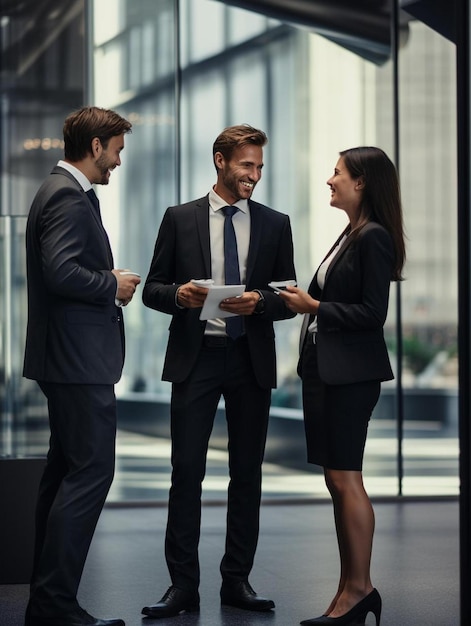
(321, 273)
(241, 221)
(77, 174)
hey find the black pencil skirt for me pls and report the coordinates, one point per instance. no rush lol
(335, 416)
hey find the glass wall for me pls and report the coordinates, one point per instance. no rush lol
(272, 76)
(181, 71)
(41, 81)
(313, 98)
(428, 158)
(135, 72)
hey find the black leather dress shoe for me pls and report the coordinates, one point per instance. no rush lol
(174, 601)
(81, 618)
(241, 595)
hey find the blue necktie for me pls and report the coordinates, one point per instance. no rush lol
(234, 325)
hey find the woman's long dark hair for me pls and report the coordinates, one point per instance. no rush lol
(381, 200)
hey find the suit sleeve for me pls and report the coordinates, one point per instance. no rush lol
(376, 256)
(275, 307)
(160, 289)
(66, 239)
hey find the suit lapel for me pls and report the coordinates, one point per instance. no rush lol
(202, 227)
(63, 172)
(99, 223)
(346, 244)
(339, 254)
(254, 243)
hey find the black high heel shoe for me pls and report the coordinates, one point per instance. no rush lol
(356, 615)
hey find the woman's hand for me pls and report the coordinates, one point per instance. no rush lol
(299, 301)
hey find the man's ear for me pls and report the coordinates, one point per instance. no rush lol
(219, 160)
(97, 148)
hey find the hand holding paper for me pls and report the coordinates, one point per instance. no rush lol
(217, 293)
(192, 295)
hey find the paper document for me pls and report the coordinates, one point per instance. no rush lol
(216, 293)
(280, 285)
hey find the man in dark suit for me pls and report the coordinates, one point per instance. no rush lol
(209, 358)
(75, 350)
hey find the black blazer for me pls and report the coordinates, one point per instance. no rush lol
(75, 332)
(353, 308)
(183, 252)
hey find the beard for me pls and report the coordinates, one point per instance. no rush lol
(233, 185)
(103, 165)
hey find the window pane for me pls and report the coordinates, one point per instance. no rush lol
(140, 62)
(428, 174)
(42, 80)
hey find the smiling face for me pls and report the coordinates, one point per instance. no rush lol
(346, 192)
(107, 159)
(238, 176)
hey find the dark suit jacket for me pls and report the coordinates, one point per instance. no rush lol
(75, 331)
(353, 308)
(183, 252)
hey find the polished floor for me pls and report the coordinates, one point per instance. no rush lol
(415, 561)
(415, 566)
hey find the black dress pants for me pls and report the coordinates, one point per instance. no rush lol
(225, 371)
(78, 474)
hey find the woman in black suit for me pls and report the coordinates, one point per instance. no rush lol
(344, 359)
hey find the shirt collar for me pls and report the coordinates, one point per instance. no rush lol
(217, 203)
(77, 174)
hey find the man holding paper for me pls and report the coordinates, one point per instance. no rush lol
(219, 348)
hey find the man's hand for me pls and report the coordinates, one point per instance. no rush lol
(127, 283)
(241, 305)
(191, 296)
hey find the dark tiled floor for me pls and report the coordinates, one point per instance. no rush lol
(415, 565)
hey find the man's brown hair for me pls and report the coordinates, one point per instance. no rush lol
(234, 137)
(81, 126)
